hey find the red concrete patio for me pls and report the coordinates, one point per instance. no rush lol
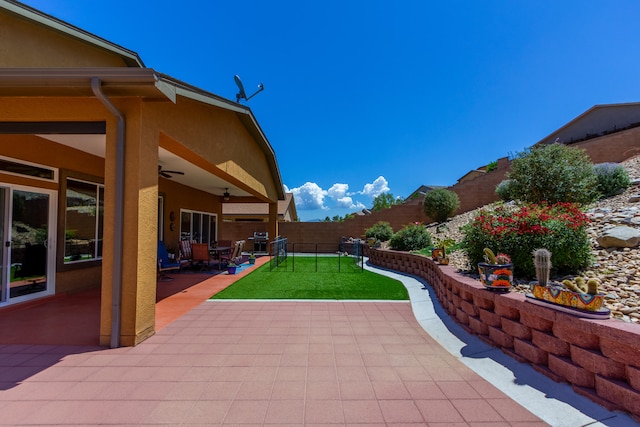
(240, 363)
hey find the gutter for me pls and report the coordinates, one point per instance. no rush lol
(118, 243)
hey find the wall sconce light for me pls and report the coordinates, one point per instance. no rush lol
(226, 195)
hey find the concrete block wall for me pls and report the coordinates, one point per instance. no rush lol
(599, 358)
(615, 147)
(472, 193)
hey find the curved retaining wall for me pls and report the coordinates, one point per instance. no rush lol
(599, 358)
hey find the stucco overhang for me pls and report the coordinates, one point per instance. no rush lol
(123, 82)
(116, 81)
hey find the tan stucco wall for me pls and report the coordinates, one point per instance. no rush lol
(202, 133)
(23, 44)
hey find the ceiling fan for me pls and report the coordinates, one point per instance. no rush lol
(168, 174)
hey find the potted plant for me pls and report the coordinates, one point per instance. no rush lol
(252, 258)
(496, 273)
(439, 253)
(231, 267)
(578, 293)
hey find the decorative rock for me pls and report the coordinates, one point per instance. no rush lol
(620, 237)
(634, 199)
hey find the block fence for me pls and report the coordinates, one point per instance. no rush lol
(599, 358)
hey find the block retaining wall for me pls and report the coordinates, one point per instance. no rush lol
(599, 358)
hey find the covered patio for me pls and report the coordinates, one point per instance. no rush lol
(113, 157)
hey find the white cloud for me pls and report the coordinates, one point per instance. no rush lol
(309, 196)
(377, 187)
(338, 191)
(348, 203)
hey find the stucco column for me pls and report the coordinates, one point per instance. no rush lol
(138, 281)
(273, 221)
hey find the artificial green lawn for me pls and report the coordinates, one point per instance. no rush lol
(297, 278)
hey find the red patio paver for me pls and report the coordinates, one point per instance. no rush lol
(255, 362)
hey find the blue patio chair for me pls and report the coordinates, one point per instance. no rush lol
(164, 263)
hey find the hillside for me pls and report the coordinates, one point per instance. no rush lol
(617, 269)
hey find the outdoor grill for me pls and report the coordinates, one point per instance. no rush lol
(260, 241)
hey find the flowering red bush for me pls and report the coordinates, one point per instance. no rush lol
(518, 231)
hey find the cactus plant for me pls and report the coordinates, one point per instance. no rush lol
(503, 259)
(500, 259)
(489, 257)
(571, 286)
(592, 286)
(542, 262)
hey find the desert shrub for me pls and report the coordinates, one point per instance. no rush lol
(413, 237)
(381, 231)
(518, 231)
(553, 173)
(440, 204)
(504, 190)
(612, 179)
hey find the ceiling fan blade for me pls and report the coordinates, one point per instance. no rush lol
(164, 174)
(174, 172)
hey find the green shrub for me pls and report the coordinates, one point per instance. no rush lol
(492, 166)
(518, 231)
(504, 190)
(612, 179)
(553, 173)
(440, 204)
(413, 237)
(381, 231)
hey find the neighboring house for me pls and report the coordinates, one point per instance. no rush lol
(362, 212)
(420, 193)
(597, 121)
(88, 139)
(259, 212)
(473, 174)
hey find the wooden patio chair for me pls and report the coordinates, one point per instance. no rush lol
(200, 255)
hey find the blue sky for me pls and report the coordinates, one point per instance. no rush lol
(363, 97)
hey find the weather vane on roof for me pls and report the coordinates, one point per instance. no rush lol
(241, 93)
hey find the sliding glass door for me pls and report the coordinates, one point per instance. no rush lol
(198, 226)
(28, 243)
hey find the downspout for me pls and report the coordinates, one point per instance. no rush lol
(116, 293)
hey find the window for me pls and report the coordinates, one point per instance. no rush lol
(198, 226)
(20, 167)
(84, 221)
